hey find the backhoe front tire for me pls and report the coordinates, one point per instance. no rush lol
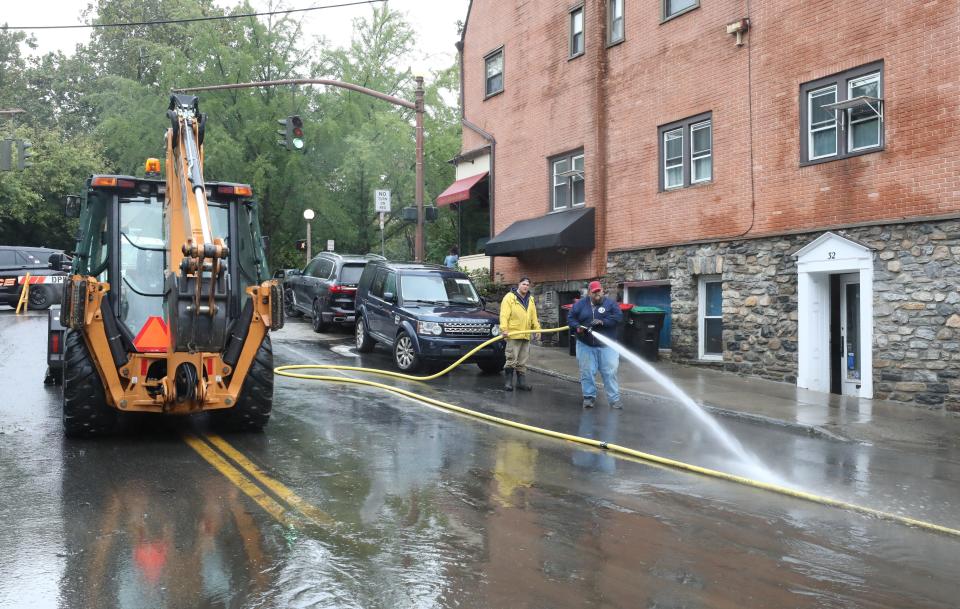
(253, 407)
(85, 409)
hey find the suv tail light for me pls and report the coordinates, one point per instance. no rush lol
(339, 289)
(55, 337)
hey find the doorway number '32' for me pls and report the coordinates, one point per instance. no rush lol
(831, 255)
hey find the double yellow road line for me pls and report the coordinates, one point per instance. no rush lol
(285, 506)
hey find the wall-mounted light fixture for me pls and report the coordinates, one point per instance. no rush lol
(739, 27)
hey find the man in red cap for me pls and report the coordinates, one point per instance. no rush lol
(589, 317)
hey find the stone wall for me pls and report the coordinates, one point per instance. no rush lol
(916, 301)
(917, 312)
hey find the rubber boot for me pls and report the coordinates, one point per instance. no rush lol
(508, 373)
(521, 384)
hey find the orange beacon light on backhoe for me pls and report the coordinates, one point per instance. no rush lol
(152, 168)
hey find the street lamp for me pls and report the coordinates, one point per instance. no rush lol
(308, 215)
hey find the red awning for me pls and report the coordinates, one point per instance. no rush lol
(459, 190)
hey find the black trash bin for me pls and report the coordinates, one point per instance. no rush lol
(644, 332)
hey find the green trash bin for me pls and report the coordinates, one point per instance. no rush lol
(643, 337)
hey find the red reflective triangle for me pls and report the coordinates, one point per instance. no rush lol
(154, 337)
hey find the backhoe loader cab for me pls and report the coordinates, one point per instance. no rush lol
(170, 299)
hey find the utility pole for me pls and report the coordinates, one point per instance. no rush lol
(418, 246)
(417, 107)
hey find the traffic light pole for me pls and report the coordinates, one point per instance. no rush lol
(417, 107)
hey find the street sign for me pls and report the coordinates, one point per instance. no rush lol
(382, 201)
(329, 245)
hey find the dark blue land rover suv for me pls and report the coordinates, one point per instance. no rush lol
(424, 313)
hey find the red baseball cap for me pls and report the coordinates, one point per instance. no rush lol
(595, 286)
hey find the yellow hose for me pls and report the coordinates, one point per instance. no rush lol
(612, 448)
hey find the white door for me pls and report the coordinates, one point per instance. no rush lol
(851, 365)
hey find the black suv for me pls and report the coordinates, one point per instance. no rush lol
(46, 282)
(325, 289)
(425, 313)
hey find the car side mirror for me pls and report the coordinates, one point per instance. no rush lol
(71, 206)
(265, 243)
(390, 297)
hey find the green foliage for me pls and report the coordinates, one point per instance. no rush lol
(491, 290)
(103, 109)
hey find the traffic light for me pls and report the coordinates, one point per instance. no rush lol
(6, 155)
(430, 213)
(292, 132)
(302, 245)
(295, 125)
(23, 154)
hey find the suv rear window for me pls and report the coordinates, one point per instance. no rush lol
(350, 273)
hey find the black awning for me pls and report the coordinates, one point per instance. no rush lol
(571, 229)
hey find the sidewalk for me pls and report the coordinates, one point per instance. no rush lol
(784, 405)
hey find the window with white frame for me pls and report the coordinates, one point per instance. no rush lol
(842, 115)
(493, 70)
(576, 32)
(566, 181)
(615, 31)
(686, 152)
(710, 317)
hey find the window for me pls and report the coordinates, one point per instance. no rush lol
(8, 258)
(494, 72)
(672, 8)
(686, 152)
(390, 285)
(842, 115)
(614, 21)
(566, 181)
(711, 317)
(576, 32)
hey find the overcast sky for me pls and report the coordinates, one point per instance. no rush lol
(434, 21)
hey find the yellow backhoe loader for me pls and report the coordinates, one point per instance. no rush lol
(169, 303)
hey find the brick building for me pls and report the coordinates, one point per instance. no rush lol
(782, 175)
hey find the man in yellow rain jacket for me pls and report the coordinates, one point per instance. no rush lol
(518, 312)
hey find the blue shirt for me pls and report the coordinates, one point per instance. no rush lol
(584, 312)
(450, 261)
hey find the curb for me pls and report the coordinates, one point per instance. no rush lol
(757, 419)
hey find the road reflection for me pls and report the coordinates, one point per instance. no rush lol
(142, 540)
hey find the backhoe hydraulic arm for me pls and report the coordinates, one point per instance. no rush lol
(197, 281)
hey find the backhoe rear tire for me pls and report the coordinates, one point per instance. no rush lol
(253, 407)
(85, 409)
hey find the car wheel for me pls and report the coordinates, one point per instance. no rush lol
(317, 321)
(405, 354)
(288, 309)
(40, 298)
(365, 344)
(491, 366)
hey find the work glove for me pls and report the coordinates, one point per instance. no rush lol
(596, 323)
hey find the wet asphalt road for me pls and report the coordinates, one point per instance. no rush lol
(356, 498)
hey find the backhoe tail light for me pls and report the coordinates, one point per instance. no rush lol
(237, 190)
